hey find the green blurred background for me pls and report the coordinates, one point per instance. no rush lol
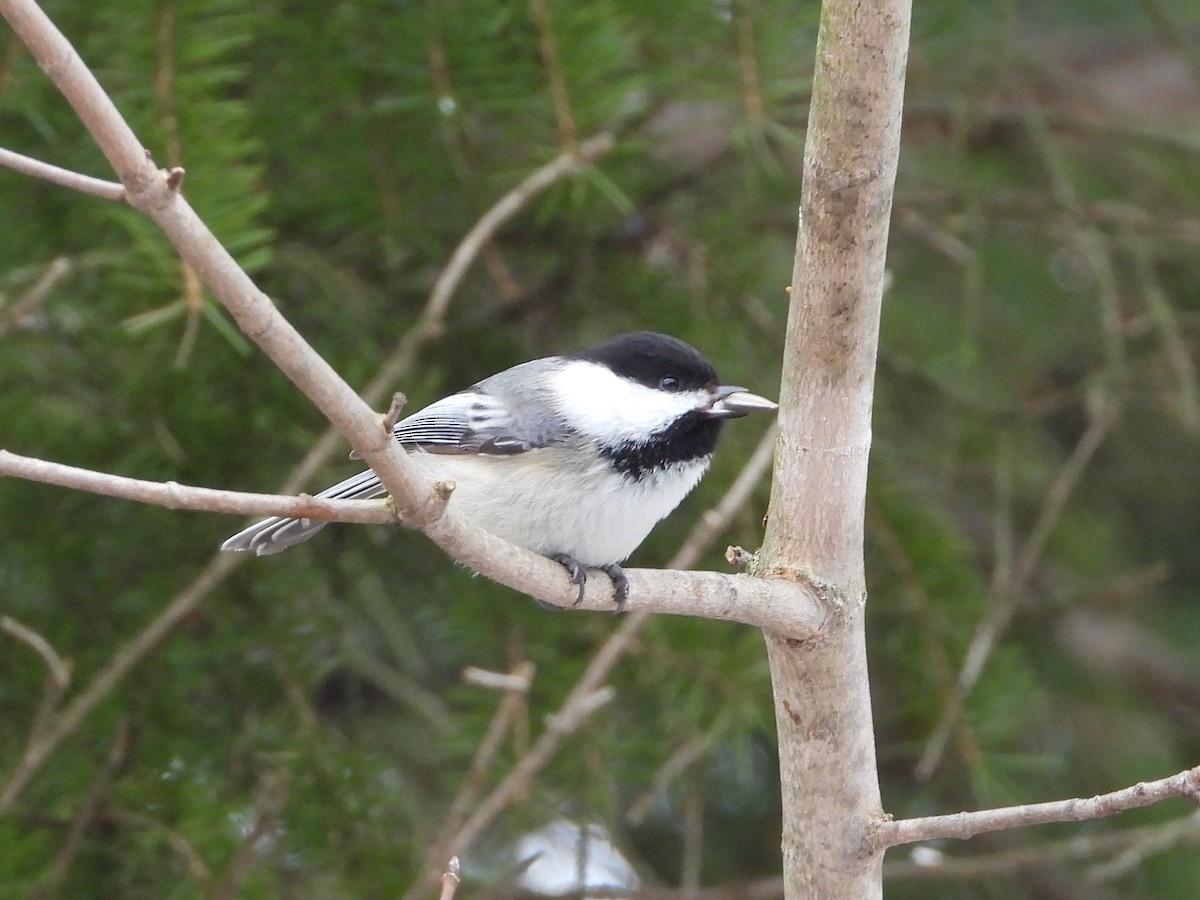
(1035, 443)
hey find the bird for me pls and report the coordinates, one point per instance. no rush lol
(575, 457)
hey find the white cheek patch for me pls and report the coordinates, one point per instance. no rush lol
(601, 404)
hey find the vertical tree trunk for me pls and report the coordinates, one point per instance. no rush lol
(815, 529)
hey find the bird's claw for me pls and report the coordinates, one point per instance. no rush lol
(620, 585)
(578, 575)
(577, 572)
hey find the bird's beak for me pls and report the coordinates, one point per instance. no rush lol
(730, 402)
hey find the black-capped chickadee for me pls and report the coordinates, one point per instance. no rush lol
(573, 457)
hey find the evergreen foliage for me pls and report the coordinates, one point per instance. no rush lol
(1045, 272)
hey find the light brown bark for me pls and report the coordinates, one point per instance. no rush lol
(830, 785)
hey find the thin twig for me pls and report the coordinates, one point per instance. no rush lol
(517, 680)
(966, 825)
(569, 720)
(173, 495)
(501, 212)
(60, 669)
(450, 880)
(14, 316)
(96, 187)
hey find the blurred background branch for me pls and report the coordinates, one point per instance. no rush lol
(342, 153)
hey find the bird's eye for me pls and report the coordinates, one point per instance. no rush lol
(669, 383)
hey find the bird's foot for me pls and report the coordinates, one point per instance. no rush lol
(578, 576)
(577, 572)
(620, 585)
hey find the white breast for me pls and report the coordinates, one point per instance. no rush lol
(538, 501)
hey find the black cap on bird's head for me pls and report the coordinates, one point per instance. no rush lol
(650, 359)
(666, 363)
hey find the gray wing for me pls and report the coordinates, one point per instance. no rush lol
(501, 415)
(473, 421)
